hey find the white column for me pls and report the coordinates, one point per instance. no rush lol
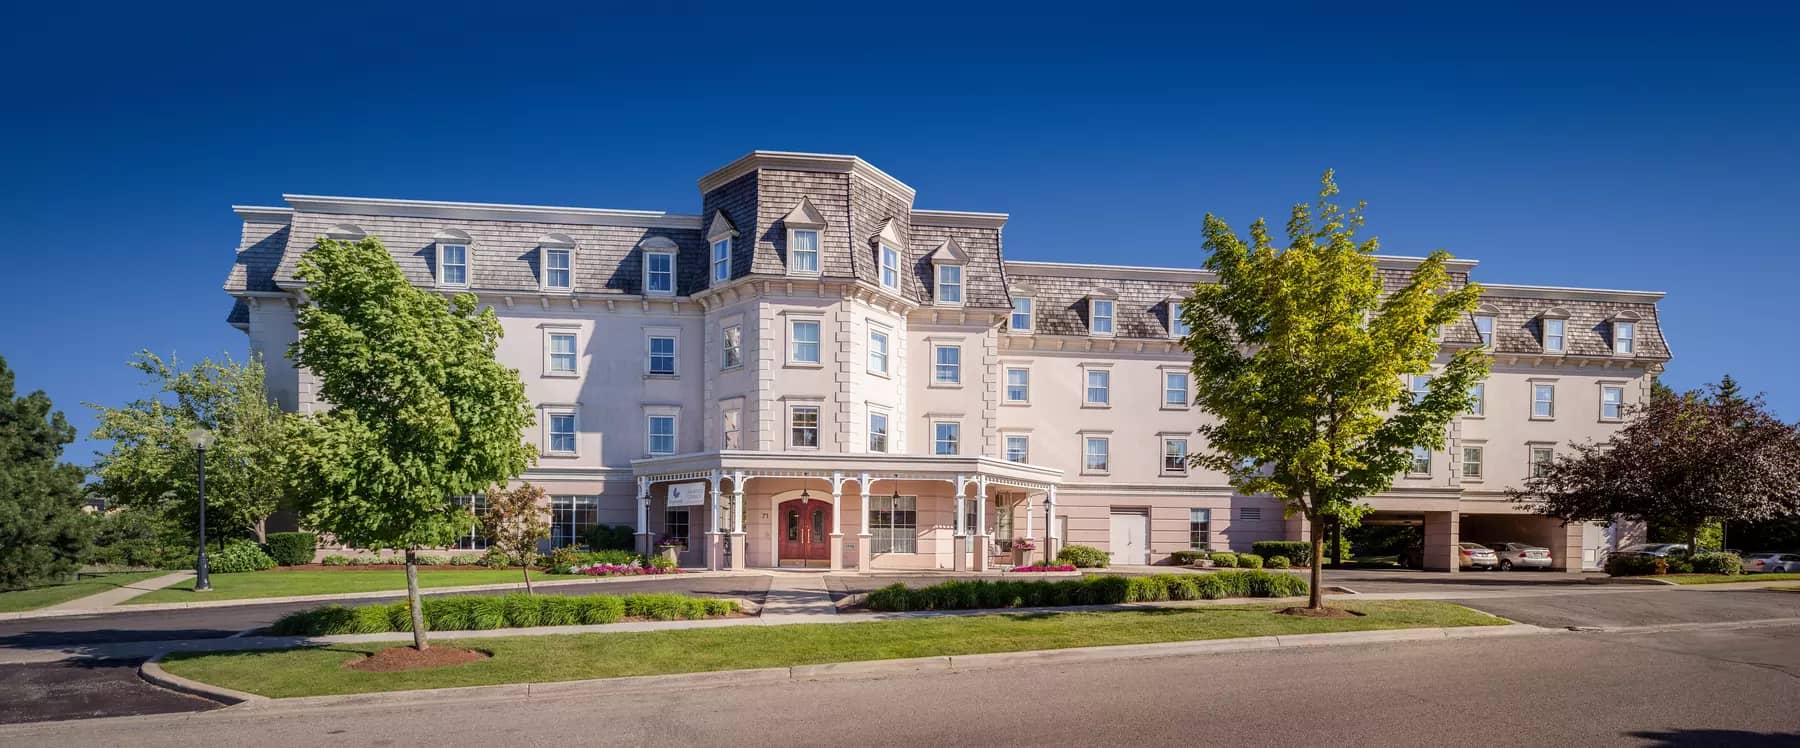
(960, 529)
(863, 481)
(1050, 524)
(837, 503)
(1027, 516)
(643, 517)
(737, 502)
(712, 524)
(981, 527)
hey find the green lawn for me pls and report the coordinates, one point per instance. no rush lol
(1725, 578)
(282, 583)
(319, 671)
(40, 597)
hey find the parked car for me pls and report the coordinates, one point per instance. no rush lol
(1522, 556)
(1771, 563)
(1476, 555)
(1655, 550)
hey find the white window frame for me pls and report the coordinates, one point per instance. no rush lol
(938, 367)
(1531, 460)
(674, 275)
(553, 412)
(1561, 336)
(793, 342)
(443, 275)
(886, 431)
(731, 424)
(1480, 462)
(1418, 386)
(1087, 387)
(550, 336)
(729, 349)
(1111, 317)
(937, 442)
(1088, 440)
(1624, 334)
(1551, 401)
(1177, 328)
(1006, 385)
(793, 425)
(1412, 466)
(1006, 450)
(654, 414)
(888, 260)
(882, 354)
(721, 261)
(545, 271)
(1478, 394)
(1618, 387)
(941, 287)
(1487, 338)
(1163, 465)
(1187, 389)
(1030, 314)
(674, 337)
(794, 252)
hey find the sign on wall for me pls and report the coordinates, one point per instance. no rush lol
(687, 494)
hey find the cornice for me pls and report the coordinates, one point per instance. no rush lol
(1109, 272)
(1045, 343)
(372, 206)
(263, 214)
(819, 162)
(1560, 293)
(959, 219)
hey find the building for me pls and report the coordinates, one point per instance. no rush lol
(811, 370)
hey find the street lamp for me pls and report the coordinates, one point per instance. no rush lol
(200, 439)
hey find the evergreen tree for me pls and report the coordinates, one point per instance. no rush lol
(43, 533)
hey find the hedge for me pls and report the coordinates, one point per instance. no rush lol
(1225, 560)
(1278, 562)
(480, 612)
(1187, 558)
(1298, 552)
(1083, 556)
(1250, 561)
(1715, 562)
(1095, 590)
(292, 548)
(1620, 565)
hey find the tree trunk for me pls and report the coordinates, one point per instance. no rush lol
(527, 569)
(412, 599)
(1317, 598)
(1693, 539)
(261, 529)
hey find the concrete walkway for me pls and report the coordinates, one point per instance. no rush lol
(798, 597)
(99, 602)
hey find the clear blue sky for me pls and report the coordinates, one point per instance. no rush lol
(1644, 147)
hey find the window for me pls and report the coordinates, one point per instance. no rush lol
(946, 437)
(1021, 314)
(878, 432)
(1421, 386)
(1252, 513)
(562, 353)
(1018, 385)
(1541, 457)
(730, 436)
(731, 340)
(662, 434)
(803, 347)
(557, 269)
(1478, 399)
(453, 264)
(1099, 387)
(472, 540)
(894, 524)
(950, 284)
(1543, 401)
(571, 517)
(1096, 454)
(1175, 453)
(1175, 389)
(804, 257)
(1018, 448)
(878, 352)
(675, 527)
(721, 261)
(1101, 316)
(662, 355)
(948, 365)
(560, 429)
(1624, 337)
(1421, 462)
(1471, 462)
(1484, 328)
(1612, 402)
(803, 430)
(659, 273)
(1177, 328)
(1200, 529)
(890, 267)
(1553, 335)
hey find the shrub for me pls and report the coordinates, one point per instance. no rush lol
(1299, 552)
(1250, 561)
(1278, 562)
(564, 560)
(1186, 558)
(613, 556)
(465, 559)
(1083, 556)
(239, 556)
(1042, 568)
(610, 538)
(428, 559)
(495, 558)
(670, 607)
(292, 548)
(523, 611)
(657, 562)
(1095, 590)
(335, 560)
(598, 609)
(1225, 560)
(1676, 565)
(1714, 562)
(1631, 566)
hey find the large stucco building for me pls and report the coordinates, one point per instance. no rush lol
(810, 370)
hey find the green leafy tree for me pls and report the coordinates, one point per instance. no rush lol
(150, 466)
(43, 534)
(420, 409)
(514, 523)
(1302, 356)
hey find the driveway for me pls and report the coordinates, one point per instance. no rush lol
(84, 689)
(1650, 607)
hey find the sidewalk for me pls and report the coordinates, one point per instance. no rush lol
(99, 602)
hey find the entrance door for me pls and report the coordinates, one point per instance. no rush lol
(805, 532)
(1130, 536)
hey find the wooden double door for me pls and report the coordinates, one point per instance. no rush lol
(805, 528)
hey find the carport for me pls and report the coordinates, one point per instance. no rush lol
(1443, 530)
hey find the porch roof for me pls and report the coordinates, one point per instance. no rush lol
(756, 464)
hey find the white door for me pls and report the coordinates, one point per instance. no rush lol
(1130, 537)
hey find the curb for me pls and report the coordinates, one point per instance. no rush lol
(1670, 628)
(153, 673)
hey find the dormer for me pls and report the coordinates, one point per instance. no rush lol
(451, 248)
(1103, 310)
(1172, 312)
(659, 265)
(1624, 333)
(346, 232)
(720, 232)
(1024, 309)
(805, 227)
(1485, 315)
(1553, 330)
(888, 249)
(949, 286)
(556, 263)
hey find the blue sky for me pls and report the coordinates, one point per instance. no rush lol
(1640, 147)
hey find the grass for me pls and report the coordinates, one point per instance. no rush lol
(41, 597)
(538, 659)
(1726, 578)
(283, 583)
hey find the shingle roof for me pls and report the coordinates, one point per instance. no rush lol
(1061, 303)
(259, 254)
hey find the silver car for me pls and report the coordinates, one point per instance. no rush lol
(1476, 555)
(1771, 563)
(1522, 556)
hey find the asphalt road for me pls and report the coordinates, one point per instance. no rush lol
(84, 689)
(1735, 688)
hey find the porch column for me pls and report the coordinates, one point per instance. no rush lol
(837, 516)
(643, 517)
(1050, 525)
(715, 550)
(863, 538)
(1027, 534)
(737, 521)
(958, 552)
(981, 528)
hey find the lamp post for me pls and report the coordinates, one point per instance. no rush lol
(200, 439)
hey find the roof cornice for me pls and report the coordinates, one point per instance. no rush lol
(1560, 293)
(374, 206)
(263, 214)
(1405, 262)
(824, 162)
(1110, 272)
(959, 219)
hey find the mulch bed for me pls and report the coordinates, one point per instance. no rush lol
(394, 567)
(1318, 612)
(396, 659)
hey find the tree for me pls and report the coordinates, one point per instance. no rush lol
(1301, 356)
(43, 534)
(420, 409)
(151, 467)
(1682, 461)
(514, 523)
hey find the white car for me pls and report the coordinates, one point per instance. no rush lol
(1477, 555)
(1522, 556)
(1771, 563)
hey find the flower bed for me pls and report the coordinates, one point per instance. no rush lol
(1042, 568)
(625, 570)
(1093, 590)
(481, 612)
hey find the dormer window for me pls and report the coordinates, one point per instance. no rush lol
(453, 264)
(1624, 335)
(803, 256)
(1021, 314)
(947, 263)
(950, 284)
(721, 261)
(805, 236)
(659, 273)
(1177, 328)
(1484, 328)
(890, 268)
(888, 242)
(1554, 326)
(1100, 316)
(556, 262)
